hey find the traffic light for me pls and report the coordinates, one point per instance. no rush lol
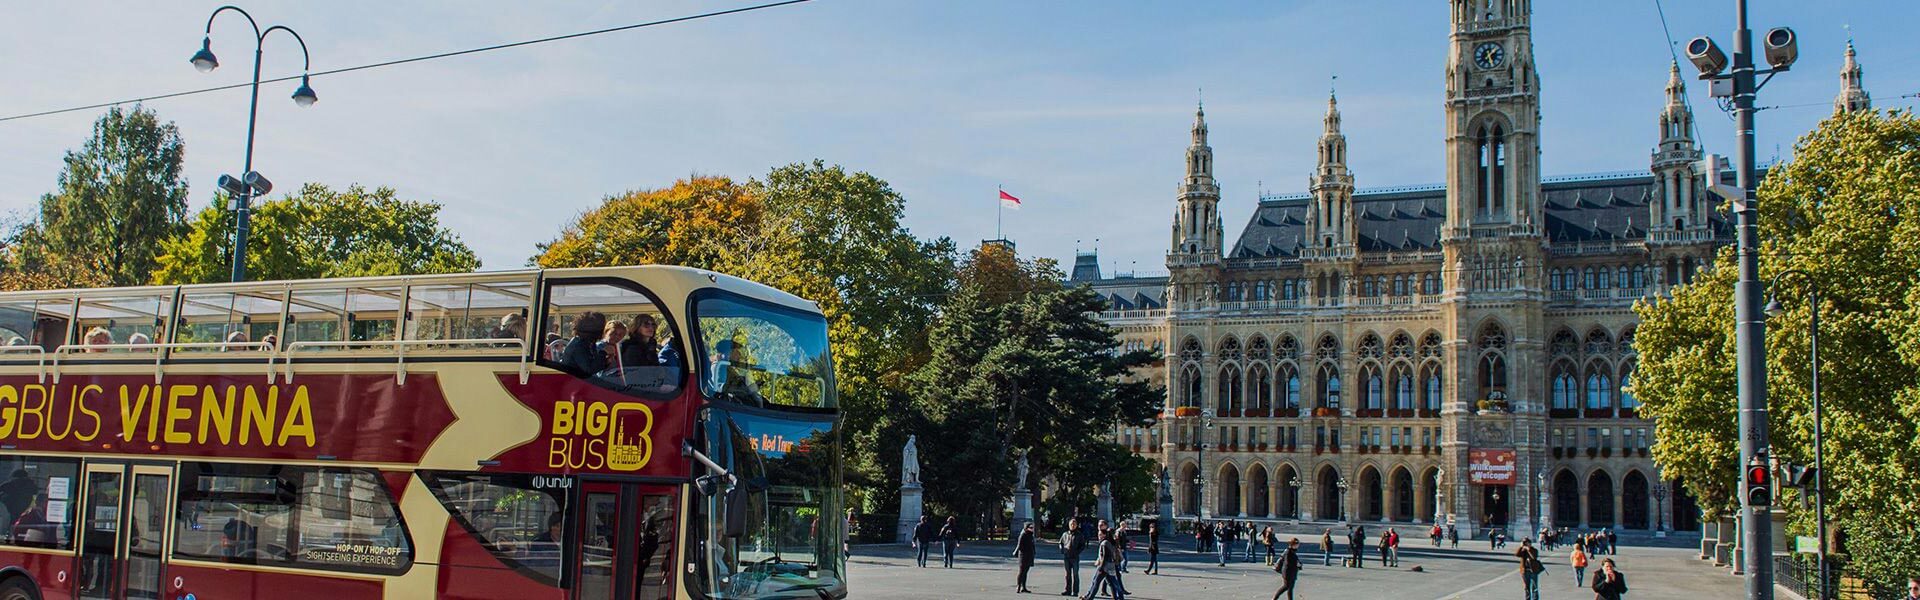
(1759, 486)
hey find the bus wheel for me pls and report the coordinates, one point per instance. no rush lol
(17, 588)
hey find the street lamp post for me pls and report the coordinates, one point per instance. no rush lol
(1341, 484)
(1819, 472)
(1206, 431)
(1293, 491)
(1660, 509)
(251, 184)
(1540, 505)
(1750, 325)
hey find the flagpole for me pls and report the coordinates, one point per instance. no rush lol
(999, 208)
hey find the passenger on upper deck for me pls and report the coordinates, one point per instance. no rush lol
(97, 338)
(237, 341)
(580, 353)
(609, 346)
(642, 348)
(512, 326)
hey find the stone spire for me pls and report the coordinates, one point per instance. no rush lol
(1330, 223)
(1852, 96)
(1196, 227)
(1676, 120)
(1200, 155)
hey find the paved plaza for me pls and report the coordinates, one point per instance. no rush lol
(984, 570)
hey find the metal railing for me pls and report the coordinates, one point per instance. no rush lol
(159, 353)
(400, 351)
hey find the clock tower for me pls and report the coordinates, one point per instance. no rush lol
(1494, 246)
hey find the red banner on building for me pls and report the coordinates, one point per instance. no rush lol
(1490, 467)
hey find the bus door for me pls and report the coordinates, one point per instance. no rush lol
(626, 533)
(123, 520)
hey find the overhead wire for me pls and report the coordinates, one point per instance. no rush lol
(415, 59)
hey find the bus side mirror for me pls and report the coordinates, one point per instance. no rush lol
(736, 519)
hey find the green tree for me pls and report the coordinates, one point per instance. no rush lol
(1845, 212)
(121, 195)
(1022, 364)
(696, 222)
(319, 232)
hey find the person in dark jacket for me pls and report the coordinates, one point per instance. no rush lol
(1106, 568)
(642, 346)
(1609, 584)
(1357, 547)
(1530, 570)
(1202, 537)
(949, 540)
(922, 541)
(1613, 541)
(1071, 545)
(1225, 534)
(1153, 548)
(1289, 568)
(582, 353)
(1025, 550)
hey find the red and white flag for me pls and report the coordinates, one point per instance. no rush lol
(1008, 201)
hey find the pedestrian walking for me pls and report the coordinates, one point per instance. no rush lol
(1579, 561)
(1386, 548)
(1024, 549)
(1453, 536)
(1288, 566)
(949, 540)
(1267, 539)
(1530, 569)
(1326, 548)
(922, 541)
(1105, 569)
(1125, 542)
(1435, 534)
(1611, 584)
(1251, 532)
(1202, 537)
(1153, 548)
(1613, 542)
(1393, 548)
(1070, 547)
(1357, 548)
(1225, 538)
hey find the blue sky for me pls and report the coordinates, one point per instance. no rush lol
(1081, 108)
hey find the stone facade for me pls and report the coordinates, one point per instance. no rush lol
(1366, 354)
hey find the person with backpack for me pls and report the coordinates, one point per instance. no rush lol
(1530, 569)
(1288, 566)
(1106, 569)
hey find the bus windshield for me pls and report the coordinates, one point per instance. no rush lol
(758, 354)
(791, 545)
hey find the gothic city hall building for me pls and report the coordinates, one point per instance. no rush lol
(1458, 352)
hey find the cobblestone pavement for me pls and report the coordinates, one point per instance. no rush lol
(983, 570)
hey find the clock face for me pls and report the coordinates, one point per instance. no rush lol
(1489, 55)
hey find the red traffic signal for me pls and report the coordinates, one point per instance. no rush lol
(1758, 475)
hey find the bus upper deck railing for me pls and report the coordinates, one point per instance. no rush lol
(264, 351)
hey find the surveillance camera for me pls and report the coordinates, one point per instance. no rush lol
(232, 185)
(1706, 56)
(1782, 46)
(258, 183)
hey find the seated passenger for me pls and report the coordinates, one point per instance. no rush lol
(237, 341)
(513, 326)
(97, 338)
(270, 341)
(138, 339)
(580, 354)
(730, 370)
(642, 348)
(609, 346)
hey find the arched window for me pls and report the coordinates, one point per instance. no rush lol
(1626, 397)
(1493, 374)
(1491, 150)
(1230, 387)
(1566, 389)
(1432, 377)
(1329, 381)
(1402, 388)
(1291, 379)
(1191, 384)
(1599, 391)
(1375, 392)
(1259, 387)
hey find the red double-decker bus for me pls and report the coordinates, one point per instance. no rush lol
(620, 433)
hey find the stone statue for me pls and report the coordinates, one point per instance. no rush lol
(1020, 472)
(910, 462)
(1166, 484)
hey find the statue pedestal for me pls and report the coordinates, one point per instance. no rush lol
(1022, 513)
(1104, 504)
(909, 512)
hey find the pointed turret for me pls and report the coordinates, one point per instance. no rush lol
(1676, 120)
(1852, 96)
(1676, 211)
(1197, 223)
(1331, 222)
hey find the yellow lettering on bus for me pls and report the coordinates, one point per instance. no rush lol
(299, 419)
(176, 413)
(80, 401)
(36, 410)
(260, 418)
(217, 413)
(9, 414)
(596, 419)
(66, 424)
(562, 418)
(130, 412)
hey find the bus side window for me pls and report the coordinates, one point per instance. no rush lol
(520, 519)
(614, 335)
(238, 322)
